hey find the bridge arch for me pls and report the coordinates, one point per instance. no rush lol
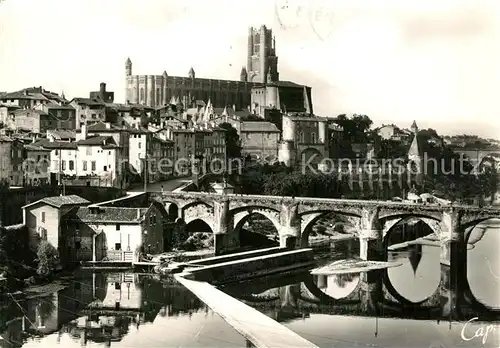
(390, 222)
(199, 210)
(198, 225)
(308, 219)
(241, 215)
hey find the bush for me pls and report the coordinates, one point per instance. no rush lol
(198, 241)
(47, 259)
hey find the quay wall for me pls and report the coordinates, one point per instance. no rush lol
(238, 256)
(252, 267)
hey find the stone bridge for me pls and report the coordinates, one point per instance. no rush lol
(294, 217)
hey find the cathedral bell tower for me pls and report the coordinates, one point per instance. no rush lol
(415, 160)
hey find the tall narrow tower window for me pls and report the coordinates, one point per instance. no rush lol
(157, 96)
(142, 95)
(313, 138)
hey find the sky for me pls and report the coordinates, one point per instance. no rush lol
(436, 62)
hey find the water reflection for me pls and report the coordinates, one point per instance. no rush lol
(108, 309)
(366, 308)
(337, 286)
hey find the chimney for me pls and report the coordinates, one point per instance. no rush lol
(84, 131)
(138, 213)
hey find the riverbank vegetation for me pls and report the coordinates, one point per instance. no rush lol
(19, 265)
(452, 178)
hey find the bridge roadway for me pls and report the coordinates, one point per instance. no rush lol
(323, 200)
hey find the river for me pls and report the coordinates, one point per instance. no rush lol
(125, 309)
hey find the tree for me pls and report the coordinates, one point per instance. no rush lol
(47, 259)
(355, 127)
(233, 142)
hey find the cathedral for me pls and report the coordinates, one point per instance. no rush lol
(258, 88)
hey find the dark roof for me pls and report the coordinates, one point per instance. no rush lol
(10, 107)
(53, 145)
(88, 101)
(34, 93)
(24, 95)
(102, 126)
(59, 201)
(140, 130)
(31, 111)
(128, 107)
(101, 140)
(110, 214)
(4, 139)
(57, 106)
(288, 84)
(35, 147)
(62, 133)
(259, 126)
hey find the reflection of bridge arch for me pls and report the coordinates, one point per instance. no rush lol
(430, 301)
(477, 306)
(241, 215)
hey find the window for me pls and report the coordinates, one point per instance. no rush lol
(301, 137)
(44, 234)
(142, 95)
(118, 286)
(78, 245)
(93, 165)
(117, 227)
(43, 216)
(313, 138)
(105, 168)
(94, 116)
(71, 165)
(139, 144)
(118, 246)
(57, 152)
(84, 165)
(89, 151)
(63, 165)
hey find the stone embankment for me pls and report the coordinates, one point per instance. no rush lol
(256, 327)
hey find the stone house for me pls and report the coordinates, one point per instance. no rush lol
(96, 233)
(36, 168)
(260, 140)
(43, 218)
(34, 120)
